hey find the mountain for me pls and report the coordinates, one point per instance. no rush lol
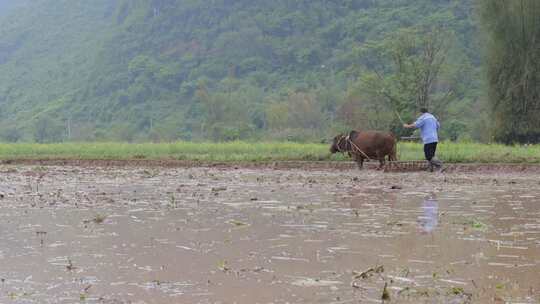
(217, 69)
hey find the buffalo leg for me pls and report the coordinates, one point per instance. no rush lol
(360, 162)
(381, 160)
(381, 163)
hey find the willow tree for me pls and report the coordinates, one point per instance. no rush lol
(512, 29)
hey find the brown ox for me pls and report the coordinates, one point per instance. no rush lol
(362, 145)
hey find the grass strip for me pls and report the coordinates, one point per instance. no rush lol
(260, 151)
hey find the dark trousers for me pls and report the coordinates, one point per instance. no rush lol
(429, 150)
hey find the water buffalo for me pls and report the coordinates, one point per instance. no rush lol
(362, 145)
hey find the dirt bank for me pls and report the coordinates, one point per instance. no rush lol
(280, 165)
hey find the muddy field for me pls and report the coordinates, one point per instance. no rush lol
(73, 234)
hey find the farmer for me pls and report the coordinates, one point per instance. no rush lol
(428, 125)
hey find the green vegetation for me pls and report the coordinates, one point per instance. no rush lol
(259, 152)
(513, 67)
(168, 70)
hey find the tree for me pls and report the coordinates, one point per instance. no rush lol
(403, 72)
(228, 113)
(512, 31)
(277, 115)
(305, 111)
(404, 69)
(363, 112)
(48, 129)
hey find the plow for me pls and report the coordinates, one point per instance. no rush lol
(406, 166)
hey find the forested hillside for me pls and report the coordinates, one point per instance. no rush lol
(161, 70)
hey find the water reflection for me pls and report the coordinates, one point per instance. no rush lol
(430, 215)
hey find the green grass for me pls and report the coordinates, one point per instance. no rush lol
(474, 153)
(254, 152)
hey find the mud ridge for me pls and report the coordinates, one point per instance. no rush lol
(304, 165)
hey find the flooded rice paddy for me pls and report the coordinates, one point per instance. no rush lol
(202, 235)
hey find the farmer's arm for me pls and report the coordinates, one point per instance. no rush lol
(417, 124)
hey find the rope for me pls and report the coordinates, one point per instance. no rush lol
(353, 147)
(357, 149)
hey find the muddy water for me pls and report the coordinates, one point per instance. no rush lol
(136, 235)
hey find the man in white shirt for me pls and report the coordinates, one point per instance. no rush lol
(429, 127)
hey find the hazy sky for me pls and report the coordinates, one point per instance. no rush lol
(6, 5)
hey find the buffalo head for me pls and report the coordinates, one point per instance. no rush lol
(338, 144)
